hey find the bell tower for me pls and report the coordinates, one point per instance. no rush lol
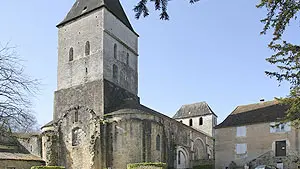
(97, 57)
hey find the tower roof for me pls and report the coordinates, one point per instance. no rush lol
(193, 110)
(83, 7)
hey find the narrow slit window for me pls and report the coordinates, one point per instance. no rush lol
(179, 158)
(158, 142)
(115, 71)
(71, 53)
(87, 48)
(115, 51)
(76, 117)
(127, 59)
(191, 122)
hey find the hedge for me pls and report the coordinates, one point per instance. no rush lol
(47, 167)
(140, 165)
(203, 167)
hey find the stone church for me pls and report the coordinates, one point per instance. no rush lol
(98, 121)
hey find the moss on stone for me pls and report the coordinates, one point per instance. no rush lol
(141, 165)
(47, 167)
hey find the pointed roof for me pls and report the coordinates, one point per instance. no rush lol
(193, 110)
(83, 7)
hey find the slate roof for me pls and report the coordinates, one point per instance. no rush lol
(134, 107)
(18, 156)
(192, 110)
(263, 112)
(83, 7)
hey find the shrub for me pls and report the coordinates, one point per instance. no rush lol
(147, 165)
(203, 167)
(47, 167)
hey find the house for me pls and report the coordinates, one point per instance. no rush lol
(252, 135)
(20, 151)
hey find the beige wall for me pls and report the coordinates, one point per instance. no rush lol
(258, 138)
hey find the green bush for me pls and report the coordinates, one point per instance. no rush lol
(156, 165)
(47, 167)
(203, 167)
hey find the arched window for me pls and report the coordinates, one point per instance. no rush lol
(158, 142)
(71, 53)
(115, 51)
(76, 116)
(191, 122)
(115, 71)
(87, 48)
(200, 121)
(127, 59)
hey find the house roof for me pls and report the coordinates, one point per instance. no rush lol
(192, 110)
(18, 156)
(263, 112)
(83, 7)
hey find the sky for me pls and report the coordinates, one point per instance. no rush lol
(209, 51)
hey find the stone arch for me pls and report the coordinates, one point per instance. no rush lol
(182, 159)
(199, 149)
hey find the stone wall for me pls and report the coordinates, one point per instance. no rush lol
(89, 95)
(4, 164)
(116, 33)
(75, 35)
(207, 126)
(133, 135)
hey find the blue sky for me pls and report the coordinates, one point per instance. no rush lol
(210, 51)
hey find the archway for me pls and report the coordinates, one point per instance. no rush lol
(199, 149)
(182, 159)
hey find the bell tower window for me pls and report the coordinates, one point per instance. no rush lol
(200, 121)
(191, 122)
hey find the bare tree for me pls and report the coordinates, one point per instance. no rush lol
(16, 91)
